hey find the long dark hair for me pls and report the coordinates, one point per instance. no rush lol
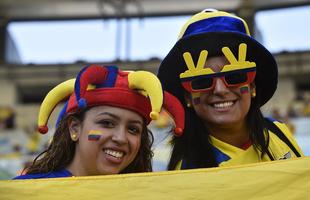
(61, 150)
(195, 147)
(143, 160)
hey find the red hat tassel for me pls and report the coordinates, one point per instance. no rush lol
(175, 108)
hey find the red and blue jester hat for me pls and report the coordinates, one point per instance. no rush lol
(139, 91)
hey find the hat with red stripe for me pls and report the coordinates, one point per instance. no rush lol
(138, 91)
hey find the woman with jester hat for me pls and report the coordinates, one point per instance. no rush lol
(102, 128)
(223, 76)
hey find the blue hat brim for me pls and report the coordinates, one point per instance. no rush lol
(266, 79)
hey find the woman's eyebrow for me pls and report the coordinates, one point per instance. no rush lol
(109, 114)
(118, 118)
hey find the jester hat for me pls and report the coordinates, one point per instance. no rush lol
(95, 85)
(212, 30)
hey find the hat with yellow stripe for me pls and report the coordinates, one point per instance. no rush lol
(213, 30)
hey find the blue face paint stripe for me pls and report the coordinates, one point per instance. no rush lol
(94, 137)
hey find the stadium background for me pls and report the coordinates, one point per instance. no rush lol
(129, 44)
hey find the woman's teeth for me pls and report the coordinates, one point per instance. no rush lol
(116, 154)
(223, 104)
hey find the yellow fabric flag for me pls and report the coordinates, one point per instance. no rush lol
(285, 179)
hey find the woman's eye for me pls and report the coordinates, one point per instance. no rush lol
(107, 123)
(134, 130)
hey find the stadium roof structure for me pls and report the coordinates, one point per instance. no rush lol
(47, 9)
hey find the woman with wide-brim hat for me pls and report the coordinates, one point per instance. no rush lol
(223, 76)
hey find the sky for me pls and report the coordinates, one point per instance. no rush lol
(53, 42)
(94, 40)
(286, 29)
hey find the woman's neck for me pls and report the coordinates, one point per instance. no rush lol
(76, 167)
(73, 169)
(236, 134)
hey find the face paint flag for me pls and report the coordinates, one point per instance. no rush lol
(196, 98)
(244, 89)
(94, 135)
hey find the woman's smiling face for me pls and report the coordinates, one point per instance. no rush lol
(222, 106)
(109, 139)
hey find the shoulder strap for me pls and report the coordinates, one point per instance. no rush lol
(276, 130)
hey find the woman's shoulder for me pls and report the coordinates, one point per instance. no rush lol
(52, 174)
(280, 125)
(281, 132)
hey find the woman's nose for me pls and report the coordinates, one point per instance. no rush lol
(120, 135)
(220, 87)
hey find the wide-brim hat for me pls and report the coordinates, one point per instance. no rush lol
(212, 31)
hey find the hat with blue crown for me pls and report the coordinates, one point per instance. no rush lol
(139, 91)
(214, 32)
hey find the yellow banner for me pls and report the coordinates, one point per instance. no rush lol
(286, 179)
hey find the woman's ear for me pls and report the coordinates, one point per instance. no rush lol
(74, 128)
(253, 90)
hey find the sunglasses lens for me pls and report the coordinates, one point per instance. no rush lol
(236, 78)
(203, 83)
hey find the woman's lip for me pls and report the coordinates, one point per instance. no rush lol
(113, 160)
(113, 156)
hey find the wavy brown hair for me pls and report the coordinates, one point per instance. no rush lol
(61, 150)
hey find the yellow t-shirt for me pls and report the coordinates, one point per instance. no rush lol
(229, 155)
